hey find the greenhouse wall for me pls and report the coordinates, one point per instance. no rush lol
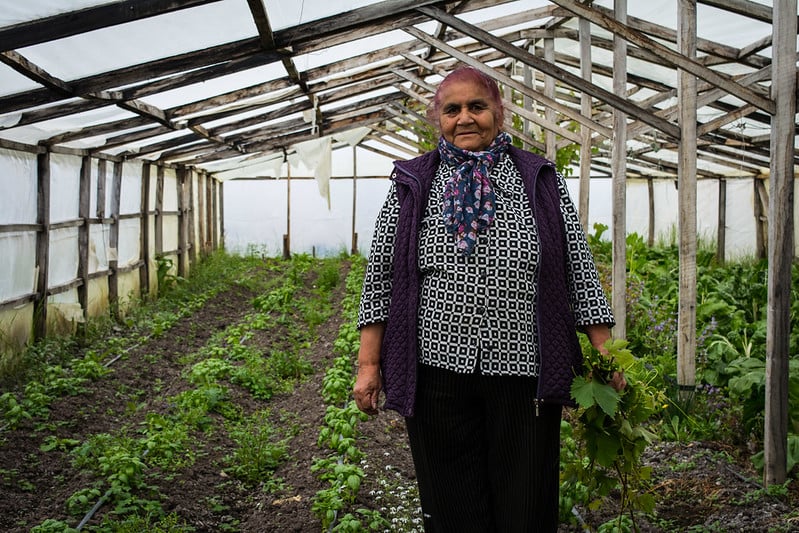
(256, 216)
(102, 227)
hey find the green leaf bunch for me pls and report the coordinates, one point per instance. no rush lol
(611, 427)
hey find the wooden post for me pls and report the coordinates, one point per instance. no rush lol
(354, 248)
(761, 219)
(549, 90)
(650, 190)
(721, 235)
(781, 241)
(113, 238)
(42, 244)
(209, 215)
(84, 230)
(287, 236)
(102, 176)
(527, 102)
(144, 232)
(182, 223)
(619, 169)
(159, 213)
(686, 96)
(214, 213)
(221, 185)
(192, 240)
(585, 132)
(201, 207)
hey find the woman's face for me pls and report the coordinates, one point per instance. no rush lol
(466, 116)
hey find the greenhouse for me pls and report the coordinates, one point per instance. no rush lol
(203, 172)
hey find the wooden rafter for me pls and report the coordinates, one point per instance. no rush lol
(88, 19)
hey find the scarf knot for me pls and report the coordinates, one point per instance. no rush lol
(469, 202)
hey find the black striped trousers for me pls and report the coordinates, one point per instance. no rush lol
(485, 463)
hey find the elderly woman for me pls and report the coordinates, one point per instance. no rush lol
(478, 279)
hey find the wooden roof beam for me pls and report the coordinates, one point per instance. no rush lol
(759, 12)
(385, 132)
(177, 66)
(670, 56)
(39, 75)
(88, 19)
(396, 146)
(107, 128)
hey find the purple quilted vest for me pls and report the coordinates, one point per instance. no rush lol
(559, 348)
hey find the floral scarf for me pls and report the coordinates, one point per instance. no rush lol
(469, 200)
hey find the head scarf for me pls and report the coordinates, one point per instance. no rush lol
(469, 200)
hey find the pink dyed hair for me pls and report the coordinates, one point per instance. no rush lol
(468, 74)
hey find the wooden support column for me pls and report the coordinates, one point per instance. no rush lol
(549, 91)
(721, 234)
(183, 256)
(159, 210)
(113, 239)
(527, 101)
(84, 197)
(761, 208)
(780, 241)
(200, 215)
(214, 213)
(42, 244)
(209, 216)
(354, 234)
(287, 236)
(619, 169)
(585, 132)
(221, 185)
(650, 191)
(102, 176)
(144, 232)
(192, 240)
(686, 96)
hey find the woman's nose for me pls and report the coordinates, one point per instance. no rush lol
(464, 117)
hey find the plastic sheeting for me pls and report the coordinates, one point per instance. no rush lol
(17, 264)
(316, 156)
(18, 182)
(255, 214)
(18, 205)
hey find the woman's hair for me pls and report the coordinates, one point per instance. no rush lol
(472, 75)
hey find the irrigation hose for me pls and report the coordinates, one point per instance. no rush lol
(99, 503)
(93, 510)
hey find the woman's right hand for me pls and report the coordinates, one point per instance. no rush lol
(367, 388)
(368, 381)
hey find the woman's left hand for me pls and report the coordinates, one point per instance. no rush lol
(599, 334)
(618, 382)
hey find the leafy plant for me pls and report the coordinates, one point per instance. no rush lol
(164, 274)
(167, 442)
(612, 429)
(53, 526)
(258, 451)
(151, 523)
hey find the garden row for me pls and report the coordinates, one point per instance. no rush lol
(133, 414)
